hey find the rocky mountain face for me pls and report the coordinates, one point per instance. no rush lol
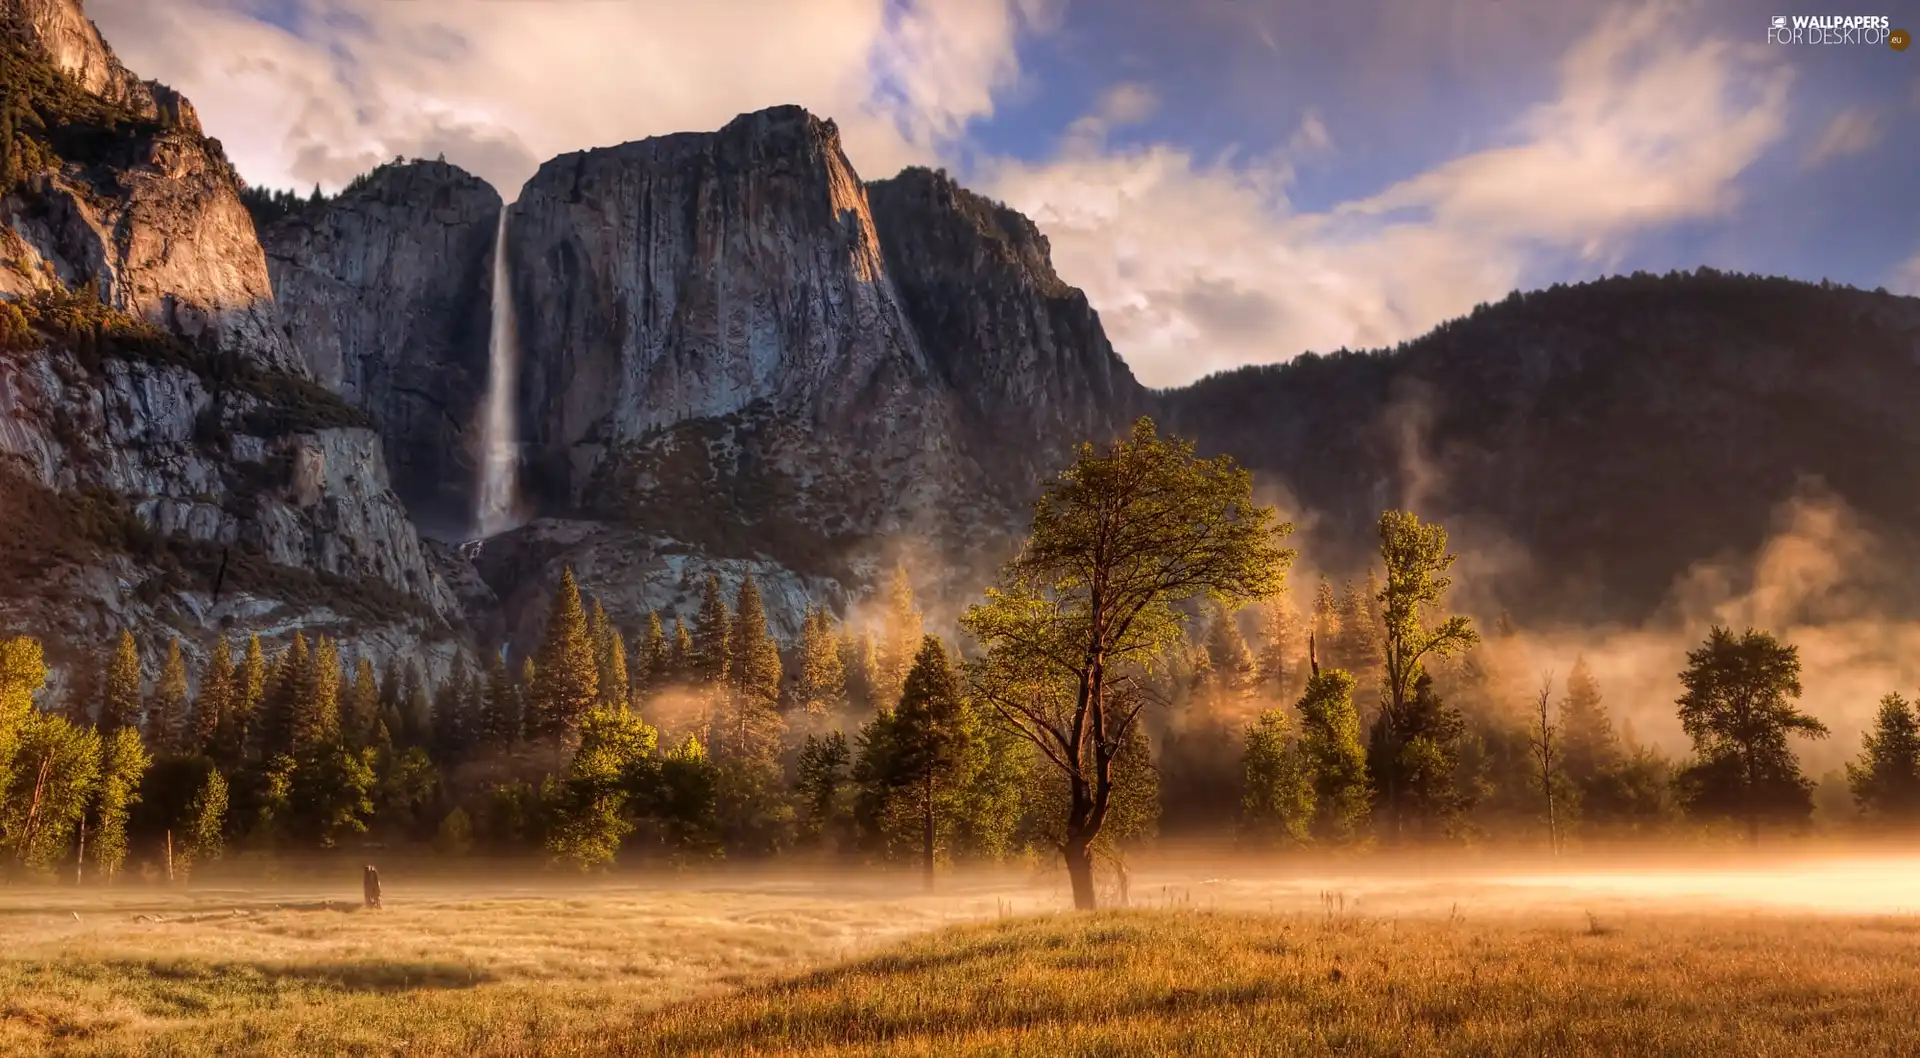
(386, 290)
(169, 465)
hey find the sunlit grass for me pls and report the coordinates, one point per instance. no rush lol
(1221, 962)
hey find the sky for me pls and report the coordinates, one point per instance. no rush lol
(1230, 181)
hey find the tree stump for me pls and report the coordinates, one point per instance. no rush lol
(370, 885)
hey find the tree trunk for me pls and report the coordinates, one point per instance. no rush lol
(80, 858)
(1080, 872)
(926, 835)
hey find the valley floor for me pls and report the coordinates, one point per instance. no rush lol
(1820, 958)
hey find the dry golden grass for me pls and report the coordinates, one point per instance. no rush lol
(1220, 965)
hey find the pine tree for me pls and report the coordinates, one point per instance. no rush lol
(610, 660)
(453, 726)
(654, 663)
(899, 640)
(317, 716)
(167, 709)
(213, 709)
(1885, 781)
(501, 709)
(569, 683)
(1279, 629)
(1418, 759)
(289, 696)
(240, 731)
(120, 692)
(822, 785)
(529, 679)
(1230, 662)
(680, 663)
(712, 655)
(929, 748)
(361, 712)
(1326, 615)
(822, 685)
(755, 658)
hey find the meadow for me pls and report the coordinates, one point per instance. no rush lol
(1815, 957)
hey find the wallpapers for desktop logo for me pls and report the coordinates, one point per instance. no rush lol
(1836, 29)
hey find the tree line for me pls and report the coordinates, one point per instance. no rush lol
(1103, 688)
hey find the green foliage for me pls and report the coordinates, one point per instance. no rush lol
(1885, 781)
(213, 707)
(1737, 708)
(455, 836)
(1119, 541)
(167, 709)
(123, 763)
(331, 794)
(1278, 806)
(47, 118)
(203, 833)
(824, 792)
(120, 696)
(712, 654)
(569, 677)
(1415, 764)
(684, 807)
(593, 812)
(930, 747)
(407, 786)
(1333, 757)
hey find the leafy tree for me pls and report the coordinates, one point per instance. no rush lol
(167, 709)
(822, 685)
(1416, 560)
(822, 783)
(1119, 540)
(455, 836)
(55, 773)
(1279, 801)
(212, 709)
(406, 785)
(900, 639)
(120, 693)
(1417, 757)
(205, 819)
(569, 676)
(1737, 708)
(1886, 779)
(123, 762)
(1333, 757)
(684, 802)
(332, 793)
(610, 763)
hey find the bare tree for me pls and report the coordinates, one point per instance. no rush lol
(1543, 751)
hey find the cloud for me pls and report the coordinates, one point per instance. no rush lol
(499, 87)
(1854, 130)
(1201, 264)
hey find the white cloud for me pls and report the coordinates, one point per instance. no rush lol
(1853, 130)
(1200, 265)
(499, 87)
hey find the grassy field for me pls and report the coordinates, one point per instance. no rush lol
(1657, 963)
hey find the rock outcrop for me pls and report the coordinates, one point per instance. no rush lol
(169, 466)
(386, 291)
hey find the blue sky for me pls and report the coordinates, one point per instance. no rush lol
(1231, 181)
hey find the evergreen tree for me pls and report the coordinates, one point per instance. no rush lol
(120, 691)
(1334, 759)
(1278, 804)
(1885, 781)
(822, 686)
(317, 710)
(167, 709)
(289, 697)
(1325, 627)
(123, 763)
(569, 675)
(681, 665)
(610, 660)
(212, 710)
(860, 668)
(929, 750)
(202, 838)
(361, 713)
(900, 640)
(822, 783)
(712, 648)
(750, 800)
(1230, 663)
(1737, 709)
(453, 724)
(240, 730)
(501, 726)
(330, 794)
(755, 659)
(1279, 632)
(1589, 749)
(655, 668)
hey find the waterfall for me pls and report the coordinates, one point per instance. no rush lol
(499, 499)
